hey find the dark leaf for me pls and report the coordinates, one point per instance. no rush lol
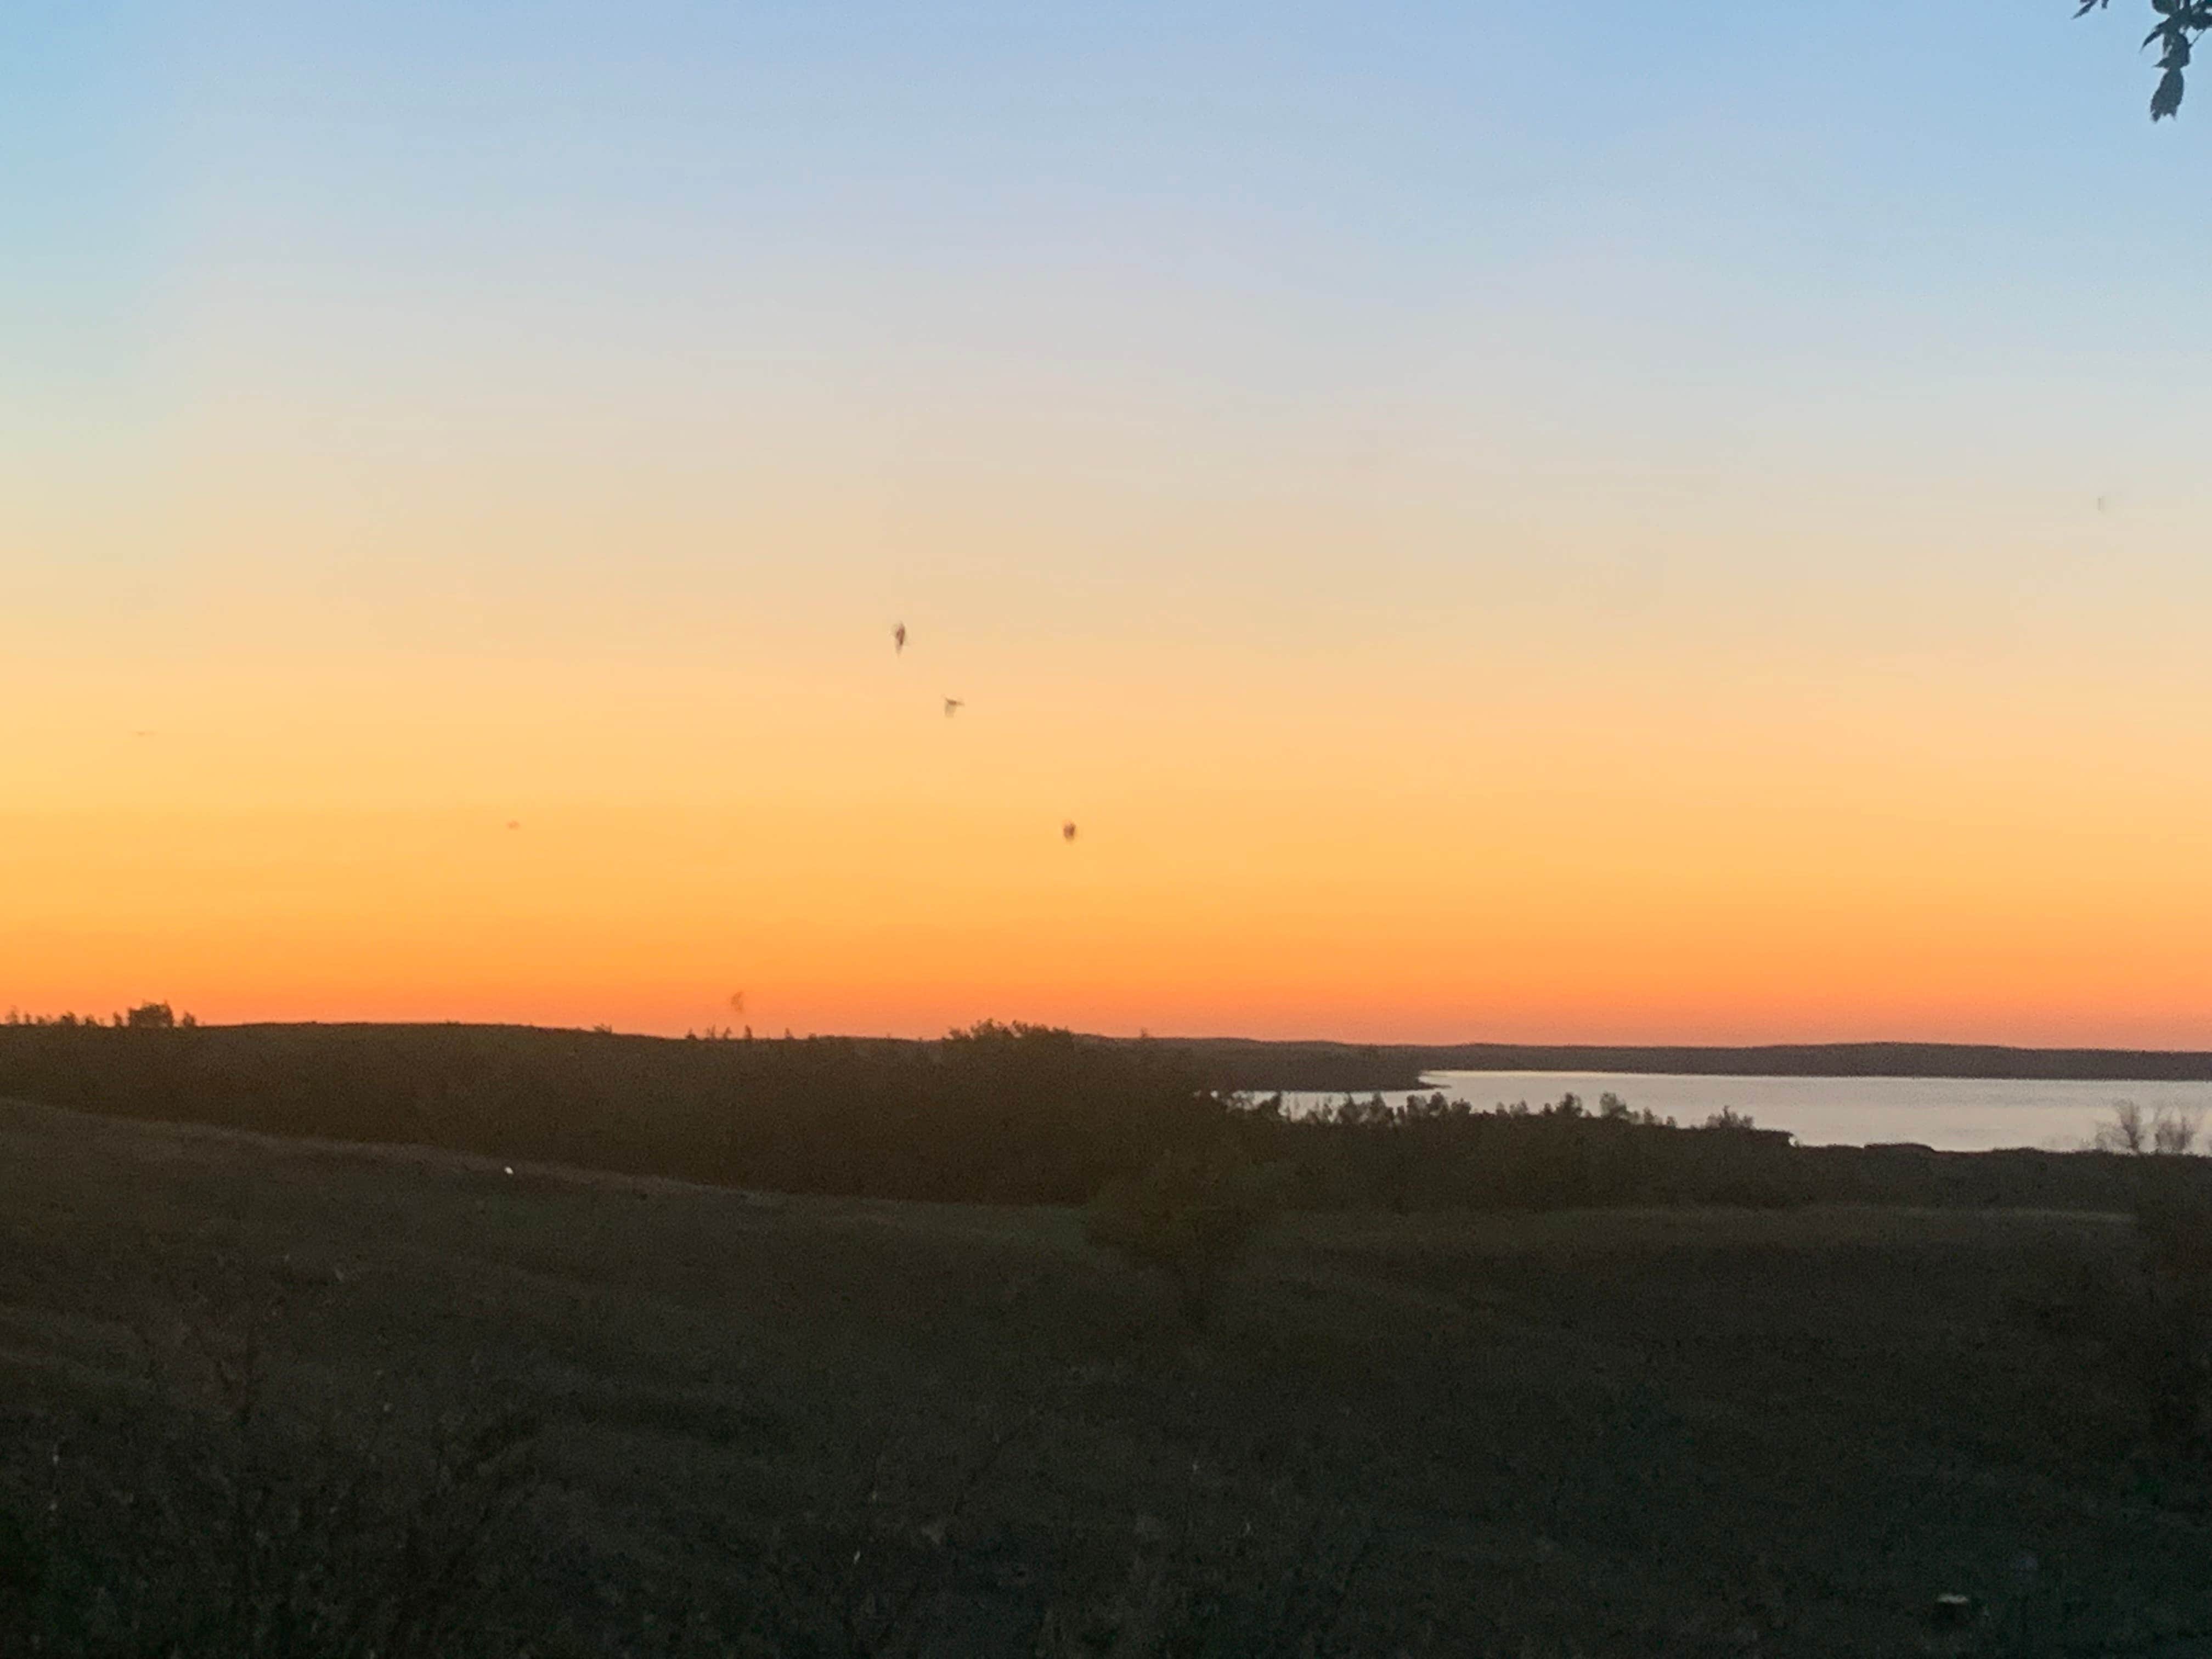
(2167, 99)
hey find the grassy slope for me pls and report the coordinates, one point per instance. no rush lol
(1596, 1433)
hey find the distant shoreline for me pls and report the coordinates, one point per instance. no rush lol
(1254, 1063)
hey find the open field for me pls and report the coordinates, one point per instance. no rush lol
(745, 1424)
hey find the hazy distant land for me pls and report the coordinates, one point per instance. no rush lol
(1256, 1063)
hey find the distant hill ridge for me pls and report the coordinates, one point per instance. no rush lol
(1256, 1063)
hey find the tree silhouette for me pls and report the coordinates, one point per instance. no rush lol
(2181, 24)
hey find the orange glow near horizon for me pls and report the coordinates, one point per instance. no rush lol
(1391, 862)
(1470, 572)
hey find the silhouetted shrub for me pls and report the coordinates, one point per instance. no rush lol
(2173, 1133)
(2126, 1131)
(1189, 1217)
(2170, 1132)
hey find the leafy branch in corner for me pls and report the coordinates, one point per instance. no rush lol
(2181, 24)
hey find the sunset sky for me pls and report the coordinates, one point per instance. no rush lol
(1606, 523)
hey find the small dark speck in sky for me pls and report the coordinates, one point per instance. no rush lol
(898, 637)
(1067, 831)
(515, 823)
(953, 706)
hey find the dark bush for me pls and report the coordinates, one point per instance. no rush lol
(1189, 1217)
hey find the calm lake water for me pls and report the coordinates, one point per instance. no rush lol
(1952, 1115)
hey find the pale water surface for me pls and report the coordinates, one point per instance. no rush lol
(1952, 1115)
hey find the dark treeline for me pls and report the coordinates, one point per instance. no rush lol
(997, 1112)
(1258, 1067)
(1007, 1114)
(1429, 1153)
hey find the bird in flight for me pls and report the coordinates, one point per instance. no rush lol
(515, 823)
(898, 638)
(953, 706)
(737, 1002)
(1067, 831)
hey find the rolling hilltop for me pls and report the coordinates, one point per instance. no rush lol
(277, 1398)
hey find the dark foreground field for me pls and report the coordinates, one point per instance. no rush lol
(278, 1398)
